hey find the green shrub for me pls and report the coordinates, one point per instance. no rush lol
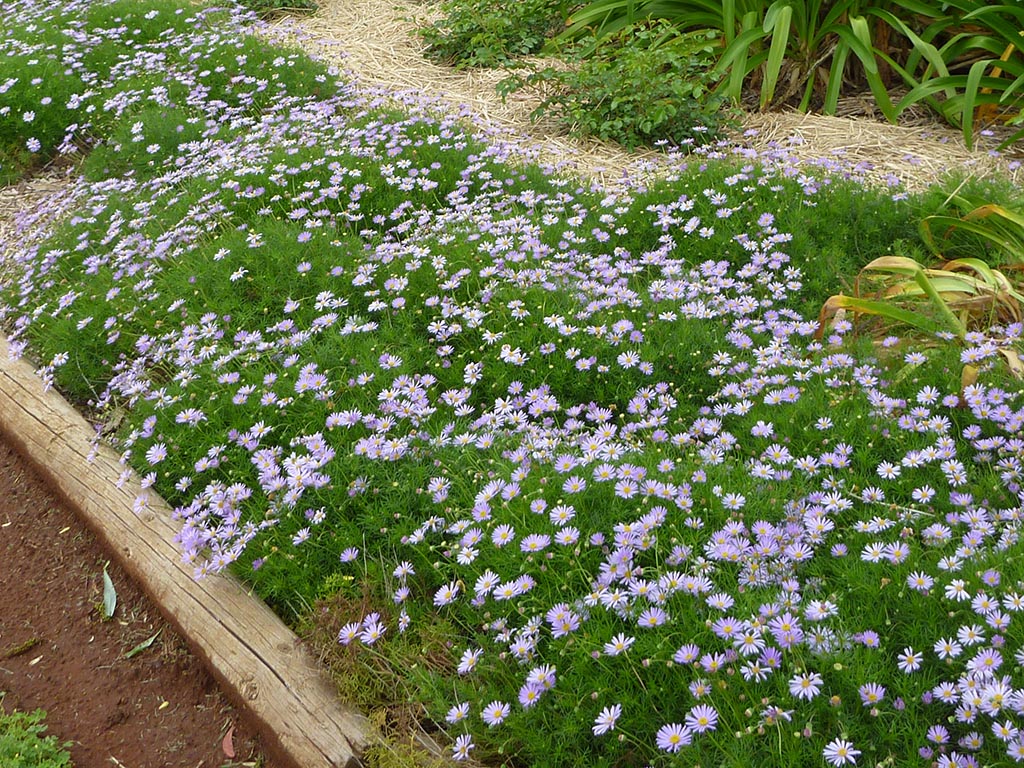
(645, 85)
(485, 33)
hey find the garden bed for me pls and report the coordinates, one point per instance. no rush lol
(527, 456)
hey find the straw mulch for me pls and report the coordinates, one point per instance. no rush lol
(915, 155)
(376, 40)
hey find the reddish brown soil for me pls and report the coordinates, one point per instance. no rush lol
(158, 709)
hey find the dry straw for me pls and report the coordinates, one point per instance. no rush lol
(916, 155)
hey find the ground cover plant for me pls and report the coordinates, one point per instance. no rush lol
(962, 60)
(576, 469)
(126, 72)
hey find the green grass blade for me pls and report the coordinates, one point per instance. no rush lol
(142, 646)
(729, 20)
(993, 279)
(901, 265)
(1011, 140)
(989, 17)
(1014, 86)
(977, 265)
(776, 24)
(954, 322)
(877, 308)
(987, 232)
(866, 53)
(895, 265)
(919, 8)
(970, 100)
(835, 77)
(594, 19)
(924, 48)
(837, 11)
(953, 83)
(1002, 212)
(735, 58)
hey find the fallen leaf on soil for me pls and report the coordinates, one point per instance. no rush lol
(109, 596)
(228, 744)
(142, 646)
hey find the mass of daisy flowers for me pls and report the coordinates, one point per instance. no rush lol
(576, 465)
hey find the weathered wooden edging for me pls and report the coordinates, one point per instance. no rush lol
(256, 658)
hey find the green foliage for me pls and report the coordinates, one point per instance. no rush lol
(124, 38)
(836, 225)
(950, 293)
(144, 145)
(486, 33)
(960, 293)
(647, 84)
(807, 42)
(969, 54)
(130, 24)
(331, 316)
(1000, 227)
(23, 745)
(962, 59)
(127, 75)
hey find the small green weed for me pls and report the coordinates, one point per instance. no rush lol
(23, 745)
